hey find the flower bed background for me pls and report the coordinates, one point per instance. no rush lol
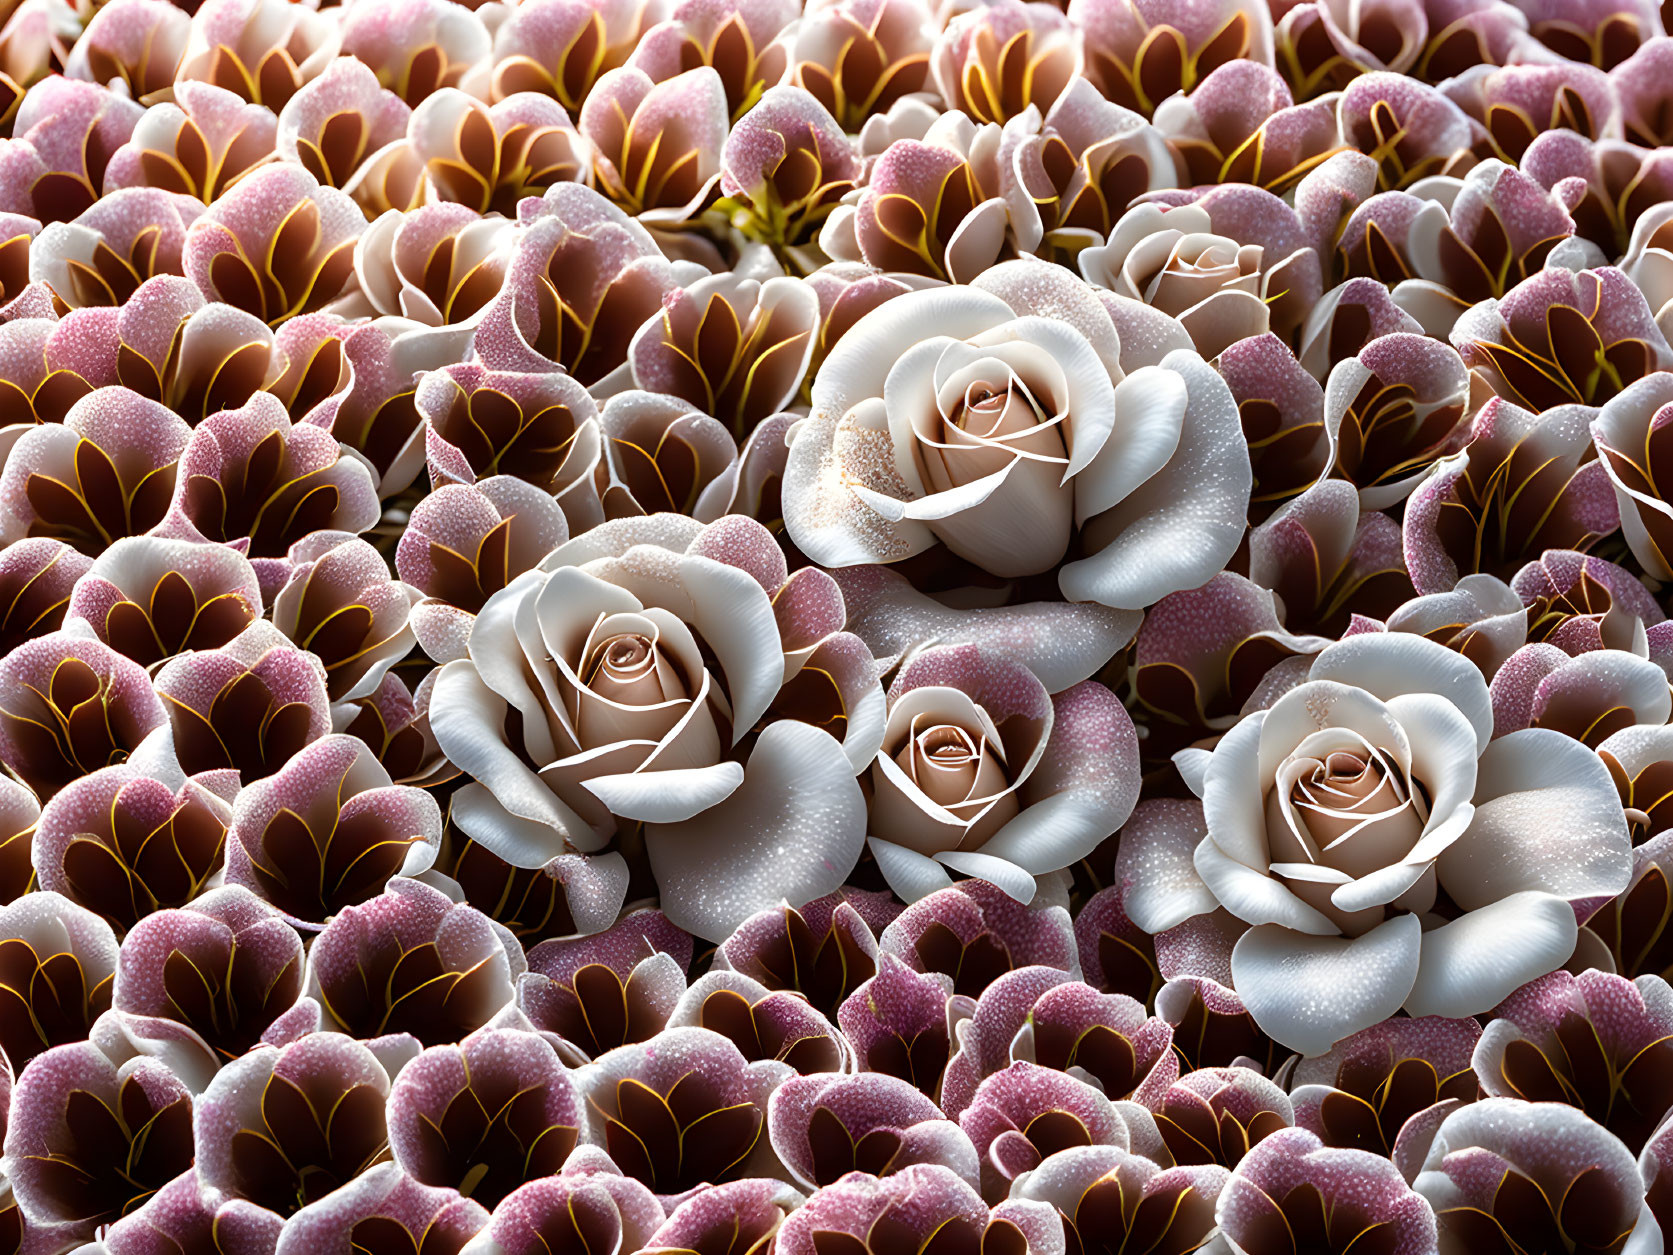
(877, 628)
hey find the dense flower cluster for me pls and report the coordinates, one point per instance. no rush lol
(836, 627)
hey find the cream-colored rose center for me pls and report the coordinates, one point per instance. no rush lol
(1347, 797)
(954, 769)
(624, 669)
(1356, 813)
(1197, 268)
(950, 767)
(992, 423)
(995, 413)
(631, 689)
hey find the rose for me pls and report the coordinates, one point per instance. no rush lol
(1384, 851)
(1171, 259)
(955, 767)
(982, 772)
(1020, 421)
(992, 421)
(666, 673)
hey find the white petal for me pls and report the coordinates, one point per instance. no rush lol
(1646, 1236)
(468, 721)
(1378, 888)
(791, 832)
(1472, 964)
(1255, 897)
(1390, 663)
(1182, 525)
(1154, 862)
(1150, 412)
(1325, 704)
(497, 656)
(521, 842)
(1232, 793)
(666, 797)
(1547, 818)
(1193, 767)
(1063, 643)
(1443, 758)
(911, 875)
(996, 871)
(976, 241)
(1055, 832)
(938, 505)
(1308, 993)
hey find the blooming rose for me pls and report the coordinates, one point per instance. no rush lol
(1171, 259)
(630, 678)
(1384, 850)
(982, 772)
(1019, 421)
